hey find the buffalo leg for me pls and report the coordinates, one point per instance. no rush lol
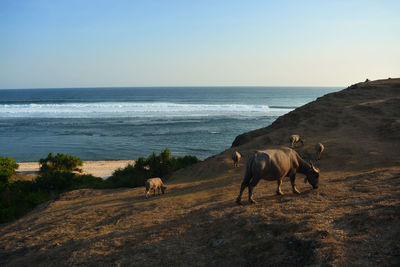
(279, 190)
(245, 183)
(252, 184)
(292, 181)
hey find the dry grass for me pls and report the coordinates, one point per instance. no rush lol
(352, 219)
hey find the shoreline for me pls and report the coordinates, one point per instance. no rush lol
(101, 168)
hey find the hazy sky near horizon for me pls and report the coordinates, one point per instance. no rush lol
(90, 43)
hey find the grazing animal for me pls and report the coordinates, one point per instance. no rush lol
(276, 164)
(319, 148)
(236, 158)
(154, 184)
(294, 139)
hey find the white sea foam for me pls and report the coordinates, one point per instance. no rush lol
(134, 109)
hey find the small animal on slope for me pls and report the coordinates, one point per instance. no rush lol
(154, 184)
(294, 139)
(319, 148)
(236, 158)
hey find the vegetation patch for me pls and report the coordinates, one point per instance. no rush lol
(60, 163)
(61, 173)
(156, 165)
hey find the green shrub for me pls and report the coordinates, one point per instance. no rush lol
(182, 162)
(55, 181)
(17, 198)
(58, 182)
(60, 163)
(130, 176)
(7, 168)
(161, 165)
(88, 181)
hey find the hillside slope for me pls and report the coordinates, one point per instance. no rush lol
(353, 218)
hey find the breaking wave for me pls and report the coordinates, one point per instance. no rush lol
(131, 109)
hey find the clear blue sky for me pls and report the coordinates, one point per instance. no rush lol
(85, 43)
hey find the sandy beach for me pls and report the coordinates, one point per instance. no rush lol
(101, 169)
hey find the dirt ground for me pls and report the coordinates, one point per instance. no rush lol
(353, 218)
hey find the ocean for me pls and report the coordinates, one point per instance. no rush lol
(125, 123)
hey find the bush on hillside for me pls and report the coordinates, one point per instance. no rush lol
(60, 163)
(8, 166)
(130, 176)
(182, 162)
(161, 165)
(88, 181)
(17, 198)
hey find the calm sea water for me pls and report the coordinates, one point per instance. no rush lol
(125, 123)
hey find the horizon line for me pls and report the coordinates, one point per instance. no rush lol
(172, 86)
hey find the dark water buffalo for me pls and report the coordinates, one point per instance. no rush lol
(236, 158)
(274, 165)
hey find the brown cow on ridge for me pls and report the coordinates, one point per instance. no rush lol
(294, 139)
(236, 158)
(319, 148)
(276, 164)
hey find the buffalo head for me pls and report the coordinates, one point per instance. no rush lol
(163, 189)
(312, 176)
